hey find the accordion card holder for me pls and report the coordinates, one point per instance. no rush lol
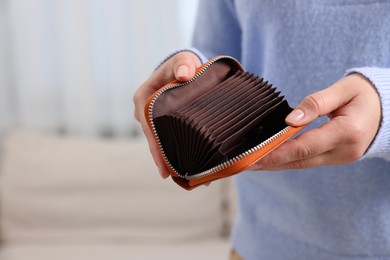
(217, 124)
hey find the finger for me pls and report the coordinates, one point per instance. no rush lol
(154, 150)
(184, 65)
(305, 146)
(163, 75)
(320, 104)
(143, 93)
(330, 158)
(319, 160)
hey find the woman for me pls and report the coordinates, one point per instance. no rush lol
(328, 57)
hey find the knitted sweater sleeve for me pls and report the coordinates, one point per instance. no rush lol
(380, 79)
(217, 30)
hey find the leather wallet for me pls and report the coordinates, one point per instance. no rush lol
(218, 123)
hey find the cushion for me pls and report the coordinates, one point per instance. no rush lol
(72, 189)
(206, 249)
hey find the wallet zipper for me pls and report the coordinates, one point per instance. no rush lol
(223, 165)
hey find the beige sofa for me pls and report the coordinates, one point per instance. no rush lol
(72, 198)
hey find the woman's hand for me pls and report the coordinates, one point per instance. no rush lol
(181, 67)
(353, 107)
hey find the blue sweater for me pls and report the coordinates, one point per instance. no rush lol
(302, 46)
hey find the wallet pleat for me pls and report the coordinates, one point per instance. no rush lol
(221, 123)
(213, 103)
(241, 99)
(230, 106)
(202, 102)
(248, 124)
(239, 112)
(244, 118)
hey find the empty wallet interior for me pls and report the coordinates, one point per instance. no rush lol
(220, 114)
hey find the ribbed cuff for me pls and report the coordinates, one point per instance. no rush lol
(380, 79)
(201, 57)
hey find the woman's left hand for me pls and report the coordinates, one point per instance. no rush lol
(353, 107)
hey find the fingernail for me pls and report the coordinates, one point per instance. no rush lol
(182, 71)
(295, 116)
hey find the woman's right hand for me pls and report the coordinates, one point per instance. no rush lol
(181, 67)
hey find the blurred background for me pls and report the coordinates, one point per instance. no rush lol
(73, 65)
(76, 177)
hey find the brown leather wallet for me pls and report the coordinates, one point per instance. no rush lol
(218, 123)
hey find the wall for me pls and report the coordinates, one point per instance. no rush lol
(73, 65)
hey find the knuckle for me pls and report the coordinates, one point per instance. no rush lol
(303, 151)
(181, 58)
(355, 133)
(271, 160)
(136, 96)
(136, 115)
(314, 101)
(137, 105)
(166, 77)
(298, 165)
(354, 154)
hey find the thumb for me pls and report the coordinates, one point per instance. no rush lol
(318, 104)
(184, 65)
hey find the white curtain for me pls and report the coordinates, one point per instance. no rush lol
(73, 65)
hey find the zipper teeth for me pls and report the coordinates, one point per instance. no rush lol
(218, 167)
